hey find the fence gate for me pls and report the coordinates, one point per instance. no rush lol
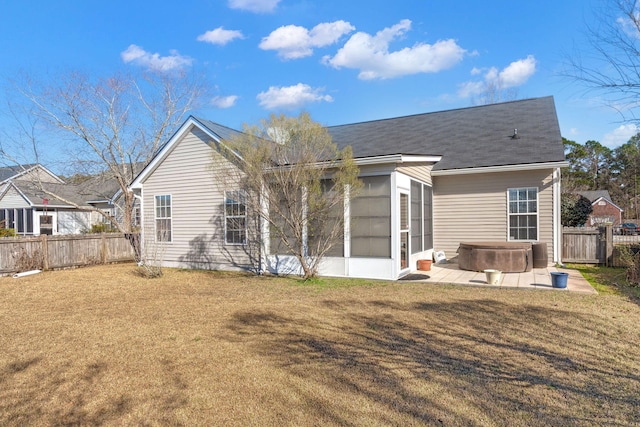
(587, 245)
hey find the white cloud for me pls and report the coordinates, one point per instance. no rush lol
(468, 89)
(224, 101)
(293, 41)
(629, 26)
(371, 55)
(518, 72)
(515, 74)
(154, 61)
(257, 6)
(620, 135)
(291, 97)
(220, 36)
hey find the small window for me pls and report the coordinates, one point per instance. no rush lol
(235, 218)
(163, 218)
(523, 213)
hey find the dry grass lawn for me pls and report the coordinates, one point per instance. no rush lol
(102, 346)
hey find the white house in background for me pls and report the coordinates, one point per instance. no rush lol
(28, 210)
(431, 181)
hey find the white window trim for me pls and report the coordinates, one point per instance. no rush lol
(537, 213)
(156, 218)
(407, 230)
(234, 216)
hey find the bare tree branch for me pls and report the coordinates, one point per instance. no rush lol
(115, 125)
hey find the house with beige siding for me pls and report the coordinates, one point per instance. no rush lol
(430, 182)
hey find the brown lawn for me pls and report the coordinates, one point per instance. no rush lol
(102, 346)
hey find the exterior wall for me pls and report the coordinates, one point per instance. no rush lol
(604, 212)
(39, 174)
(473, 207)
(73, 222)
(421, 172)
(197, 210)
(386, 268)
(13, 199)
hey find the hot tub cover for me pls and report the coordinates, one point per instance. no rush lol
(508, 257)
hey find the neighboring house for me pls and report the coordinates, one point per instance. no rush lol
(430, 180)
(28, 171)
(30, 211)
(604, 210)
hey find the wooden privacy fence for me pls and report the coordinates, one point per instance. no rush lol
(50, 252)
(587, 245)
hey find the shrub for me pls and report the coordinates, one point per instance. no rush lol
(149, 271)
(633, 272)
(25, 261)
(575, 210)
(101, 227)
(7, 232)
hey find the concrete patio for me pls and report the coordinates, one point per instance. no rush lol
(539, 278)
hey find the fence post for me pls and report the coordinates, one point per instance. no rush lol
(103, 248)
(609, 245)
(45, 252)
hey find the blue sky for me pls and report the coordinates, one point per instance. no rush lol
(342, 61)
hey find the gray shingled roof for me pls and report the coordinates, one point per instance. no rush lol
(35, 196)
(466, 138)
(223, 132)
(96, 188)
(593, 195)
(471, 137)
(7, 172)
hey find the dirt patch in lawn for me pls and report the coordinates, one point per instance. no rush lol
(101, 345)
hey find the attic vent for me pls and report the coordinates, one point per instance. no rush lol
(515, 134)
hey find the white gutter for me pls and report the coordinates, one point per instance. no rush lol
(506, 168)
(396, 158)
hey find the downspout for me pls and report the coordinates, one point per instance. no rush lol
(142, 221)
(557, 220)
(265, 243)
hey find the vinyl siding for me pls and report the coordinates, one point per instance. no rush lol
(38, 175)
(197, 209)
(421, 172)
(13, 199)
(473, 207)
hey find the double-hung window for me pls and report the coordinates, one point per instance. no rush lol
(163, 218)
(235, 217)
(523, 213)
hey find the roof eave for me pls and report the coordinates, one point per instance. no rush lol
(503, 168)
(396, 158)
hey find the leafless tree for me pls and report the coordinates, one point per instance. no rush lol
(111, 126)
(609, 63)
(291, 175)
(493, 92)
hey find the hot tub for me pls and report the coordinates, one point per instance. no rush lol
(508, 257)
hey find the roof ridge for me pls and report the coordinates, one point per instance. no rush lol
(444, 111)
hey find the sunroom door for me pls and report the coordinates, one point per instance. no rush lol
(404, 231)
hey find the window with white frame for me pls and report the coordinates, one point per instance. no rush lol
(20, 219)
(235, 217)
(523, 213)
(163, 218)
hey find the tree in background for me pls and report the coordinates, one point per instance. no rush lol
(627, 172)
(595, 167)
(574, 210)
(575, 177)
(609, 64)
(111, 126)
(295, 180)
